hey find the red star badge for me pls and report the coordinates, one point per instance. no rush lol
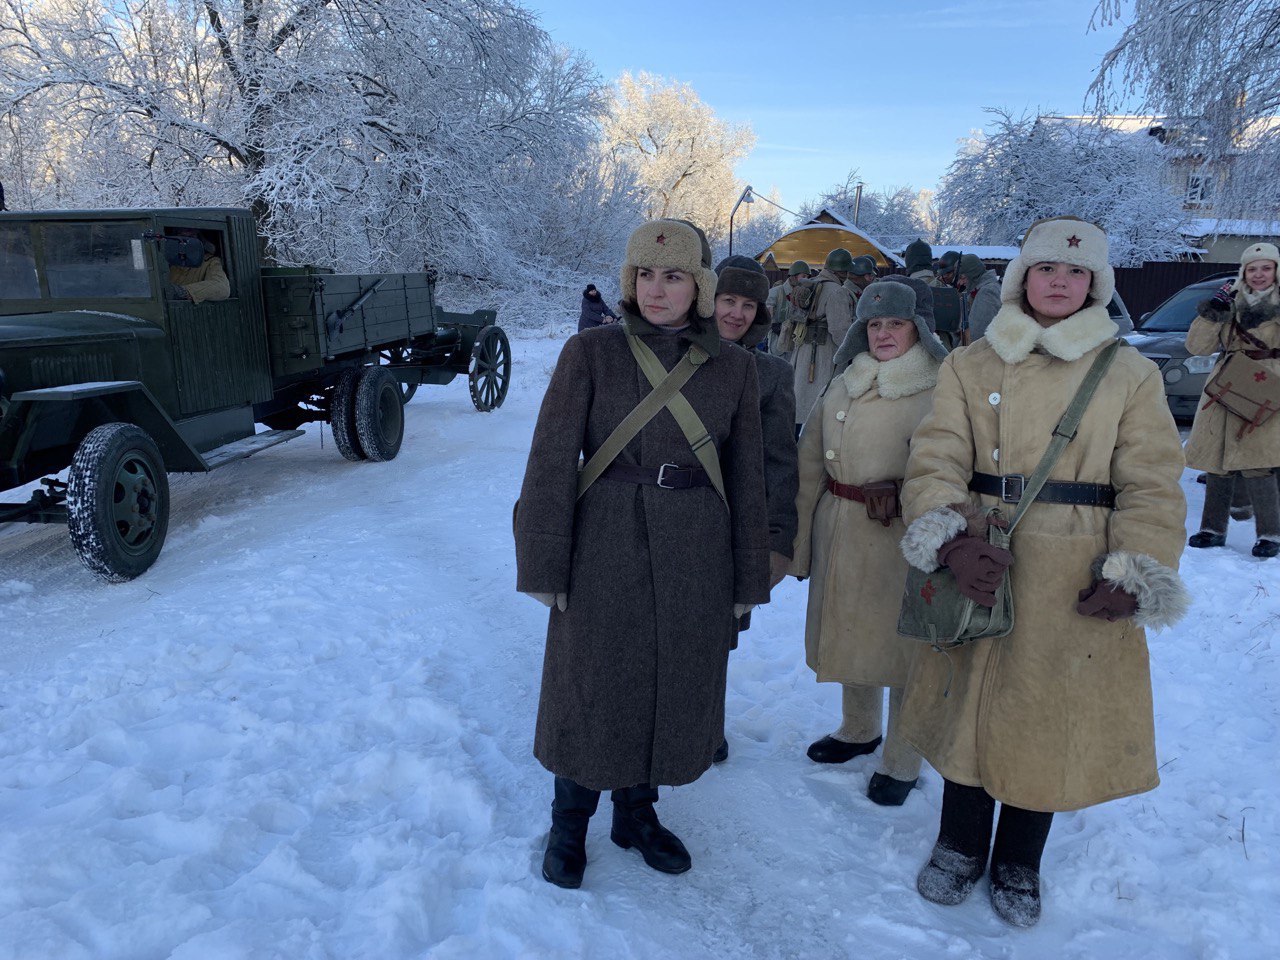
(928, 592)
(877, 298)
(1260, 376)
(1073, 241)
(662, 238)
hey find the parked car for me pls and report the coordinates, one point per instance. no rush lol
(1161, 336)
(1120, 314)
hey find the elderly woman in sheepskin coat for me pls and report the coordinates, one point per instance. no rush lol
(646, 571)
(854, 444)
(1243, 319)
(1058, 714)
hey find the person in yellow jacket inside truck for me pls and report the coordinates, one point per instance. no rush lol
(195, 272)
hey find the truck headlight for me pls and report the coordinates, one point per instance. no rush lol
(1200, 364)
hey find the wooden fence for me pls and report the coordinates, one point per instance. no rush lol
(1144, 288)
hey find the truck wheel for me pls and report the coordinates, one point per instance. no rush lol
(490, 369)
(118, 501)
(342, 414)
(379, 414)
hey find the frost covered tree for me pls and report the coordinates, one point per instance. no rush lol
(680, 153)
(894, 216)
(1025, 168)
(1214, 64)
(364, 133)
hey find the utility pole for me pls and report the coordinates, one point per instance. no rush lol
(745, 197)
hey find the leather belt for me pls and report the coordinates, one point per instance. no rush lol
(1262, 354)
(846, 491)
(1010, 486)
(669, 476)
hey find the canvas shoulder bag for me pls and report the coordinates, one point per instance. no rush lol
(933, 608)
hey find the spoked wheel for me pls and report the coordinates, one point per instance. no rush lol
(118, 501)
(490, 369)
(399, 355)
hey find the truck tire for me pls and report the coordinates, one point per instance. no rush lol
(342, 414)
(379, 414)
(118, 501)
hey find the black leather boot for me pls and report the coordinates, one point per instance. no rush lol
(1218, 493)
(887, 791)
(722, 752)
(566, 857)
(959, 857)
(1015, 864)
(831, 750)
(635, 824)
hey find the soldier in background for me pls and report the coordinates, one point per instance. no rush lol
(861, 274)
(919, 259)
(946, 274)
(815, 332)
(982, 293)
(781, 306)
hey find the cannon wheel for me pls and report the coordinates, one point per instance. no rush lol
(118, 501)
(399, 355)
(490, 369)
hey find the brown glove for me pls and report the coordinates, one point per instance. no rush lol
(778, 567)
(977, 566)
(1106, 601)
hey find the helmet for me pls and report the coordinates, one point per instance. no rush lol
(798, 269)
(839, 260)
(863, 266)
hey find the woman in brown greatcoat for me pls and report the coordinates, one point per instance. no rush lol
(646, 572)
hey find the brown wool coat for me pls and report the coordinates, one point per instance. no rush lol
(1057, 715)
(634, 673)
(1213, 445)
(834, 305)
(859, 433)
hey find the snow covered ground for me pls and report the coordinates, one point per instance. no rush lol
(306, 733)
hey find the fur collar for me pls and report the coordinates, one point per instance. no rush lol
(1254, 309)
(1013, 335)
(913, 372)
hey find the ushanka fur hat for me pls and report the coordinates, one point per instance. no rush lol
(1062, 240)
(746, 278)
(1257, 251)
(672, 244)
(894, 296)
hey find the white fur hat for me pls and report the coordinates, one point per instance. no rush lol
(1258, 251)
(677, 244)
(1062, 240)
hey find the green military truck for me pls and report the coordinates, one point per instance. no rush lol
(113, 371)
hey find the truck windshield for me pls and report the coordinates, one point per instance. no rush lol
(79, 260)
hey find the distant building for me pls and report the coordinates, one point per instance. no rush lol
(818, 236)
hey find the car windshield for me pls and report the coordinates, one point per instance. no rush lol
(80, 260)
(1176, 313)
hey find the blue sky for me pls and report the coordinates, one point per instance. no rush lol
(889, 89)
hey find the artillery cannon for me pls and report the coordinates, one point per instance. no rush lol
(109, 371)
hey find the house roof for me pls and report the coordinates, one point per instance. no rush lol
(1213, 227)
(814, 239)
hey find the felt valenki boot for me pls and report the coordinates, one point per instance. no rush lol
(565, 859)
(959, 858)
(1015, 864)
(635, 824)
(1217, 510)
(1266, 513)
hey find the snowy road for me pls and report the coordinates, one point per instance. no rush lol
(306, 733)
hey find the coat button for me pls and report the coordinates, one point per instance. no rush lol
(993, 399)
(840, 415)
(995, 454)
(831, 454)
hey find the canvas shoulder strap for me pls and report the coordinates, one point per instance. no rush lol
(691, 425)
(667, 387)
(1065, 431)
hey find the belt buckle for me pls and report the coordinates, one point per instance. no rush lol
(1019, 484)
(662, 476)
